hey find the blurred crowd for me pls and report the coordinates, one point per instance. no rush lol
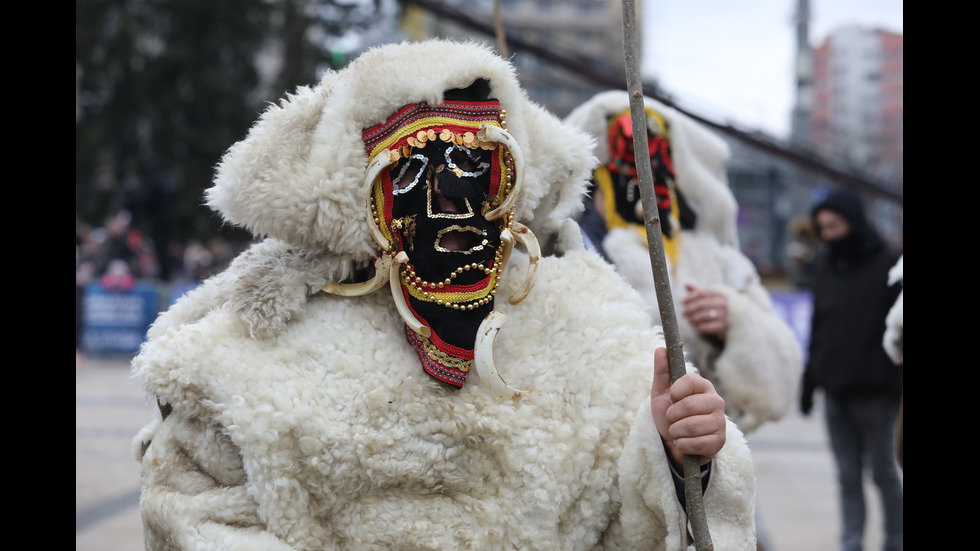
(117, 256)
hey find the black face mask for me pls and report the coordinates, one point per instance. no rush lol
(441, 194)
(627, 192)
(625, 183)
(441, 199)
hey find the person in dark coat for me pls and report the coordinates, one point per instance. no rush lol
(861, 385)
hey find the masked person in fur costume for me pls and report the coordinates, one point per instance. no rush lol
(725, 316)
(421, 353)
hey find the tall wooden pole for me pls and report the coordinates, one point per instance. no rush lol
(661, 276)
(498, 26)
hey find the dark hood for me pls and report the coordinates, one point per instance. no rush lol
(863, 239)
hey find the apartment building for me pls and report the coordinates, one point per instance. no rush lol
(858, 100)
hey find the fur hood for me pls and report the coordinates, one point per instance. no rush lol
(299, 174)
(297, 180)
(699, 159)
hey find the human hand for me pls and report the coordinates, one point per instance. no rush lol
(806, 402)
(689, 414)
(806, 394)
(706, 310)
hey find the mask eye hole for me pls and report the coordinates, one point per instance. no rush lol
(407, 173)
(469, 161)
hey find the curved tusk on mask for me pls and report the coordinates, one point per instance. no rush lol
(379, 163)
(400, 304)
(382, 274)
(490, 133)
(507, 244)
(483, 357)
(524, 234)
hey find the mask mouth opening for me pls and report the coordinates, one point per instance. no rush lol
(464, 240)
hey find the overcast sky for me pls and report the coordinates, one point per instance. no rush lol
(732, 61)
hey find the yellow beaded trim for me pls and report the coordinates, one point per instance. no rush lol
(443, 358)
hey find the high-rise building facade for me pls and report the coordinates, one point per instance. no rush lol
(857, 110)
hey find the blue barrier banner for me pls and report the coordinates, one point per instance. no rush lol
(796, 308)
(116, 321)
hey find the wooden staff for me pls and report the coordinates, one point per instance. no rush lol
(498, 27)
(661, 276)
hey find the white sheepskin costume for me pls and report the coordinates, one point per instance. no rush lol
(758, 367)
(293, 419)
(894, 339)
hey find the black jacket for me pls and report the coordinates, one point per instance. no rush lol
(851, 298)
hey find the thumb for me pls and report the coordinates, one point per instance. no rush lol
(660, 392)
(661, 374)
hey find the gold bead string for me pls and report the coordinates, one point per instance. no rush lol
(429, 290)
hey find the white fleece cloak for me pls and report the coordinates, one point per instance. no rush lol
(894, 338)
(758, 368)
(299, 420)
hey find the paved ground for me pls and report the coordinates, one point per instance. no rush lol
(109, 410)
(796, 503)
